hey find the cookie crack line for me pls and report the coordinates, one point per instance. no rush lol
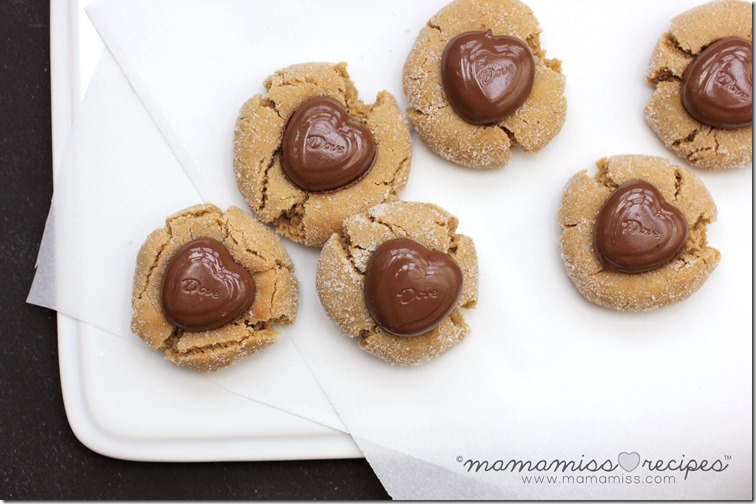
(198, 215)
(260, 325)
(268, 103)
(430, 110)
(300, 209)
(694, 155)
(664, 73)
(434, 26)
(295, 82)
(389, 226)
(680, 48)
(392, 180)
(452, 235)
(205, 349)
(277, 264)
(194, 215)
(266, 179)
(678, 183)
(153, 266)
(701, 222)
(606, 180)
(287, 81)
(176, 336)
(456, 318)
(691, 137)
(347, 245)
(364, 334)
(510, 133)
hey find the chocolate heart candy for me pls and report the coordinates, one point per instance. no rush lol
(486, 77)
(409, 289)
(637, 230)
(323, 149)
(717, 86)
(204, 288)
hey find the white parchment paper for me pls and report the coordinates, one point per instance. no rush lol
(544, 376)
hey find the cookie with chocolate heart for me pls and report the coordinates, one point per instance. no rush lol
(478, 83)
(210, 287)
(395, 279)
(702, 106)
(310, 153)
(634, 234)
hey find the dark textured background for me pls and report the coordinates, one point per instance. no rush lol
(40, 459)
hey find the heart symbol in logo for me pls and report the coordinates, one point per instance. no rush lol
(628, 461)
(486, 77)
(409, 289)
(323, 149)
(637, 230)
(204, 288)
(717, 87)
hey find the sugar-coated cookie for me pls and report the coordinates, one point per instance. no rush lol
(483, 59)
(310, 152)
(209, 287)
(702, 70)
(396, 277)
(634, 234)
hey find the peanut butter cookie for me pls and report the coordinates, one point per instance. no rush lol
(395, 278)
(479, 83)
(209, 287)
(311, 153)
(634, 235)
(701, 108)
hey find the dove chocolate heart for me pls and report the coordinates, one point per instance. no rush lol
(637, 230)
(409, 289)
(323, 149)
(204, 288)
(717, 86)
(486, 77)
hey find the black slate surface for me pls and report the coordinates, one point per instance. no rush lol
(40, 458)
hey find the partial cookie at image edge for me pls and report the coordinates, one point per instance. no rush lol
(531, 127)
(698, 144)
